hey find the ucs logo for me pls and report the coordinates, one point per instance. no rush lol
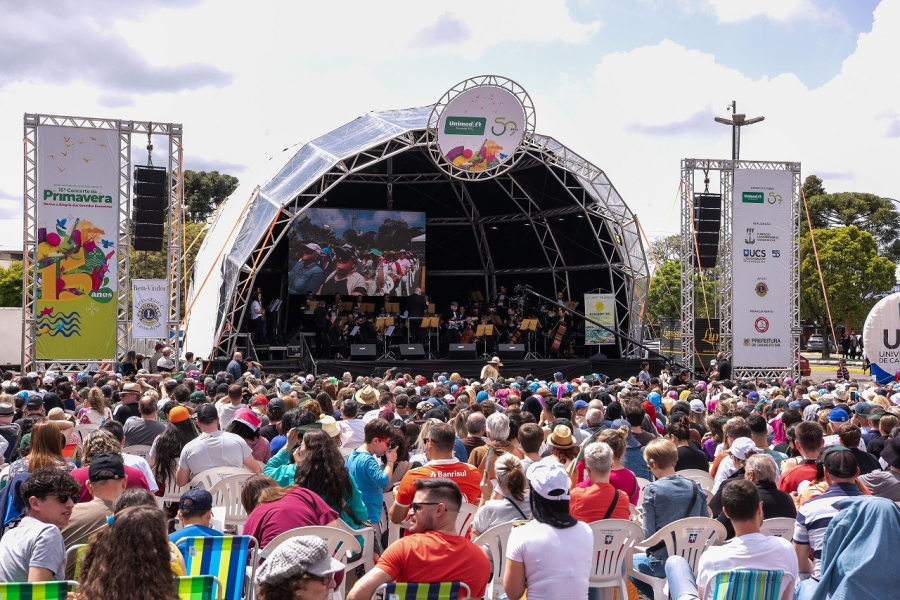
(754, 253)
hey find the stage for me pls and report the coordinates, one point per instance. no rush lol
(541, 369)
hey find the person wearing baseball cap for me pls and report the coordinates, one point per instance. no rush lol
(305, 275)
(552, 532)
(886, 484)
(212, 448)
(195, 514)
(106, 481)
(840, 470)
(345, 279)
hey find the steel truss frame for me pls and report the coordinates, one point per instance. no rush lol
(125, 129)
(689, 167)
(574, 173)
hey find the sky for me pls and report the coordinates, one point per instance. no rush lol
(630, 85)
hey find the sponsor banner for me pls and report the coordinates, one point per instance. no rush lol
(77, 221)
(706, 342)
(149, 308)
(761, 268)
(481, 128)
(669, 335)
(881, 338)
(601, 308)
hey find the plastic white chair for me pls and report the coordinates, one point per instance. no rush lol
(705, 480)
(641, 483)
(227, 507)
(141, 450)
(84, 430)
(208, 478)
(636, 515)
(387, 501)
(614, 540)
(687, 538)
(463, 521)
(782, 527)
(172, 493)
(496, 538)
(366, 559)
(340, 545)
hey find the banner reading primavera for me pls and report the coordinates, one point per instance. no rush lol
(601, 308)
(761, 268)
(77, 220)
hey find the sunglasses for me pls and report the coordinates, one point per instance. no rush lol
(63, 497)
(415, 506)
(325, 579)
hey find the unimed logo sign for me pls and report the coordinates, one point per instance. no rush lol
(753, 197)
(465, 125)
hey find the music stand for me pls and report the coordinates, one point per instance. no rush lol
(476, 296)
(432, 323)
(347, 307)
(367, 307)
(529, 326)
(385, 326)
(482, 331)
(392, 307)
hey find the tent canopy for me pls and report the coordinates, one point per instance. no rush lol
(554, 222)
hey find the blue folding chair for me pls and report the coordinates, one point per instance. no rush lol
(747, 585)
(225, 557)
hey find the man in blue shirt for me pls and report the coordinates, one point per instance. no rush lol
(306, 275)
(195, 513)
(365, 469)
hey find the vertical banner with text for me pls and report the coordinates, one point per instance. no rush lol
(77, 221)
(761, 268)
(601, 308)
(149, 309)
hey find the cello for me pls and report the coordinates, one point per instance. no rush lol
(558, 335)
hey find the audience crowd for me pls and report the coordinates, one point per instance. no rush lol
(553, 454)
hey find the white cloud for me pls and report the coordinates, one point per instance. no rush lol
(737, 11)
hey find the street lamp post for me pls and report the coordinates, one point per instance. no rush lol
(737, 121)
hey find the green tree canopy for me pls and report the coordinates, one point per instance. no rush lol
(11, 285)
(204, 191)
(868, 212)
(664, 297)
(851, 269)
(665, 248)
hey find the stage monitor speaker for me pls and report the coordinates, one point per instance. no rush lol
(707, 224)
(363, 351)
(511, 351)
(463, 351)
(412, 351)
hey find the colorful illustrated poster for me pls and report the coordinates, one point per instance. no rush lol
(601, 308)
(481, 128)
(77, 220)
(149, 309)
(761, 268)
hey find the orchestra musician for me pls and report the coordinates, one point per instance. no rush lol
(501, 300)
(563, 329)
(258, 318)
(452, 320)
(416, 305)
(337, 338)
(321, 324)
(368, 334)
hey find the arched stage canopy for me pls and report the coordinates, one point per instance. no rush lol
(554, 221)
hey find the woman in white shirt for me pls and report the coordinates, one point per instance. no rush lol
(550, 555)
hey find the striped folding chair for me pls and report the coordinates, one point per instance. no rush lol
(43, 590)
(225, 557)
(198, 587)
(446, 590)
(738, 585)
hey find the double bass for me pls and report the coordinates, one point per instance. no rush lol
(559, 334)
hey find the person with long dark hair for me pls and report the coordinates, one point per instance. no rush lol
(690, 456)
(166, 449)
(321, 469)
(552, 552)
(129, 559)
(45, 451)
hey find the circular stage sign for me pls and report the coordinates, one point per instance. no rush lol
(881, 338)
(476, 129)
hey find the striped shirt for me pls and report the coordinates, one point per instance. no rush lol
(814, 516)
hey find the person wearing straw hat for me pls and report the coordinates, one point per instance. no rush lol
(490, 369)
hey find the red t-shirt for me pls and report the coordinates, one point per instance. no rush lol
(435, 556)
(790, 480)
(590, 504)
(135, 478)
(299, 508)
(466, 477)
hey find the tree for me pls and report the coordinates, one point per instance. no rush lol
(851, 269)
(665, 248)
(11, 285)
(867, 212)
(204, 191)
(813, 186)
(664, 296)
